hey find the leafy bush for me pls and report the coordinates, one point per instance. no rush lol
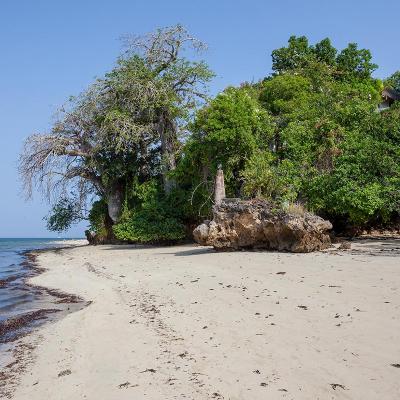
(151, 220)
(97, 217)
(146, 227)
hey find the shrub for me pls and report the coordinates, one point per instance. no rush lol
(145, 227)
(149, 219)
(97, 218)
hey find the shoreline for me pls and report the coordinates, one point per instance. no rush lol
(22, 321)
(187, 322)
(14, 330)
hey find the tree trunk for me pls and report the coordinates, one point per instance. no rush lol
(115, 196)
(108, 224)
(167, 132)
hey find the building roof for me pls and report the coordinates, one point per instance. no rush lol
(391, 94)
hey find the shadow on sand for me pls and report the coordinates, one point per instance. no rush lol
(179, 253)
(193, 252)
(376, 246)
(373, 246)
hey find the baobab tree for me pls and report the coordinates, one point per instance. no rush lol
(182, 84)
(127, 124)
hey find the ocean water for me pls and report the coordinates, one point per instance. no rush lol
(19, 302)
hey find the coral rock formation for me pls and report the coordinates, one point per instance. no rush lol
(239, 224)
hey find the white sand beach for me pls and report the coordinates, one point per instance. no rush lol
(185, 322)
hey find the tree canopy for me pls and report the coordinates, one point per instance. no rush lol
(124, 127)
(140, 147)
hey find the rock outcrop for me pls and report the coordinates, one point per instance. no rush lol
(256, 224)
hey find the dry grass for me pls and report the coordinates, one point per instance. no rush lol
(296, 208)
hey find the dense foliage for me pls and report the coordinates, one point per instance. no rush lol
(310, 133)
(316, 137)
(148, 216)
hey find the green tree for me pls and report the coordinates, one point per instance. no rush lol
(325, 52)
(394, 81)
(284, 93)
(295, 56)
(355, 63)
(227, 131)
(125, 126)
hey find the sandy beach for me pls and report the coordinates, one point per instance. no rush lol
(185, 322)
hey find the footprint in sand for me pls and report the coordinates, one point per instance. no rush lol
(64, 373)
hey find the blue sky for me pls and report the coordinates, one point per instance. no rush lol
(51, 49)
